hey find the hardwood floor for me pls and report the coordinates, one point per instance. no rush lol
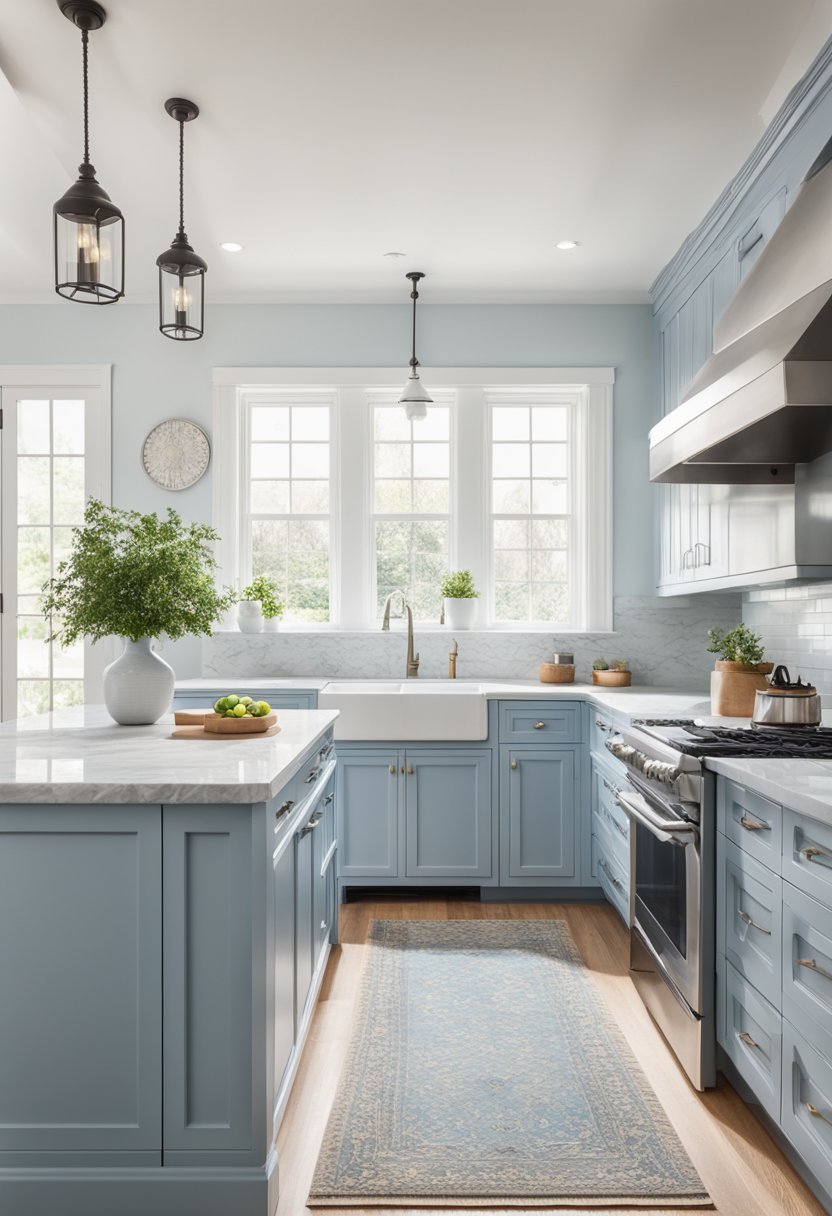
(744, 1171)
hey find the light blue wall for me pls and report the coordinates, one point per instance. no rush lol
(154, 378)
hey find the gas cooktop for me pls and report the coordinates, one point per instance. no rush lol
(683, 734)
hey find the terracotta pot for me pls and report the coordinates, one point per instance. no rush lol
(733, 686)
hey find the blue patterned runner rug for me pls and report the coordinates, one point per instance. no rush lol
(485, 1071)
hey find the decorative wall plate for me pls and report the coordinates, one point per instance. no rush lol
(176, 454)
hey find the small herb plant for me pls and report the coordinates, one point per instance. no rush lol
(459, 585)
(264, 589)
(738, 645)
(134, 576)
(613, 665)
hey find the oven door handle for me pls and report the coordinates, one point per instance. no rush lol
(671, 831)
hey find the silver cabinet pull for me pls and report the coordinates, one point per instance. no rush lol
(817, 1114)
(812, 964)
(752, 924)
(613, 789)
(314, 774)
(540, 726)
(328, 799)
(283, 810)
(514, 764)
(687, 565)
(311, 825)
(753, 825)
(615, 882)
(700, 544)
(745, 1037)
(602, 725)
(323, 925)
(813, 853)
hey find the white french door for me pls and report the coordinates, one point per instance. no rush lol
(55, 441)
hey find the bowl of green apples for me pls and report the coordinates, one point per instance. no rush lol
(236, 715)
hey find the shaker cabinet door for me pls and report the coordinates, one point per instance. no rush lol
(538, 795)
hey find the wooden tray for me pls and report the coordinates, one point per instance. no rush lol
(191, 717)
(199, 732)
(216, 724)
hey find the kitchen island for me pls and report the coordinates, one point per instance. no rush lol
(166, 912)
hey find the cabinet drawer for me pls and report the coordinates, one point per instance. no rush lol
(601, 726)
(807, 967)
(614, 814)
(749, 918)
(751, 821)
(328, 808)
(533, 722)
(614, 881)
(807, 855)
(607, 829)
(751, 1032)
(806, 1105)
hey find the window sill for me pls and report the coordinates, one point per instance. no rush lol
(397, 626)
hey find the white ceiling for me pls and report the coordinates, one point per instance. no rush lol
(471, 134)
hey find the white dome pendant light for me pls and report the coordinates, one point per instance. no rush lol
(415, 397)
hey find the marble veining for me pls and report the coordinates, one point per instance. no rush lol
(664, 640)
(80, 756)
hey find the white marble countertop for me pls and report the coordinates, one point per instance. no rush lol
(634, 702)
(81, 756)
(801, 785)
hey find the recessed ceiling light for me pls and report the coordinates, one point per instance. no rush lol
(230, 246)
(568, 244)
(395, 253)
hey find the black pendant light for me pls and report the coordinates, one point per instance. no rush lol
(415, 397)
(181, 271)
(88, 227)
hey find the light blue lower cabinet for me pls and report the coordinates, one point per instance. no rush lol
(806, 1109)
(750, 1030)
(613, 880)
(367, 813)
(807, 967)
(448, 813)
(538, 810)
(749, 917)
(80, 984)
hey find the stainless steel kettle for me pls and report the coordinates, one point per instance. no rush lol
(784, 703)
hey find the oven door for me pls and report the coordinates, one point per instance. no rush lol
(665, 889)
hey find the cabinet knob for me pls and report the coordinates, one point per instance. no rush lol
(409, 770)
(540, 725)
(514, 764)
(282, 810)
(392, 770)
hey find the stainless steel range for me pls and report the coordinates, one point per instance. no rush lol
(671, 804)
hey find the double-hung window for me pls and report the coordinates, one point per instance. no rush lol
(411, 504)
(533, 537)
(287, 475)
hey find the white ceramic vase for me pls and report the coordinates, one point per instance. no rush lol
(460, 614)
(250, 616)
(138, 686)
(271, 624)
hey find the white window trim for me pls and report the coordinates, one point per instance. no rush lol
(592, 442)
(99, 377)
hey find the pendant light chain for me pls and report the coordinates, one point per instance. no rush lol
(414, 295)
(181, 177)
(85, 40)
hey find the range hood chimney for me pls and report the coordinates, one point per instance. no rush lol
(762, 402)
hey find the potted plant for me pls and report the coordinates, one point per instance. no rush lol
(615, 674)
(738, 671)
(459, 599)
(263, 606)
(137, 577)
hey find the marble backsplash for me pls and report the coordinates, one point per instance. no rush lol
(795, 624)
(663, 639)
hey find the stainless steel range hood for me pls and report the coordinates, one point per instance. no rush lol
(762, 403)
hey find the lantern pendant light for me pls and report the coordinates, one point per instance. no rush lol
(88, 228)
(415, 397)
(181, 271)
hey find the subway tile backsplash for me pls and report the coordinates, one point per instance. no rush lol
(664, 640)
(796, 627)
